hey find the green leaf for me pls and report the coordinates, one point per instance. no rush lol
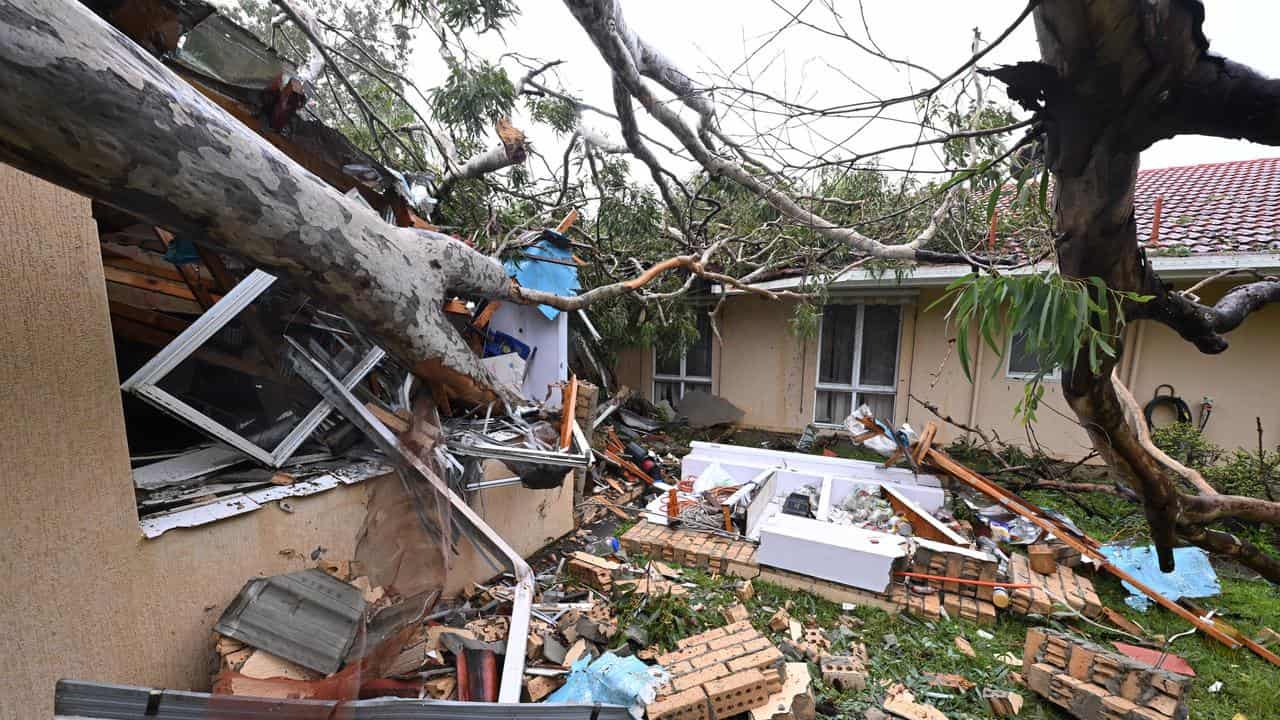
(1044, 189)
(992, 200)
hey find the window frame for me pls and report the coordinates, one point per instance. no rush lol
(145, 382)
(1053, 376)
(856, 385)
(684, 378)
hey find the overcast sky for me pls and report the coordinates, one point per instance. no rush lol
(706, 36)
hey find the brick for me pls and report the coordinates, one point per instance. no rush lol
(1115, 707)
(699, 677)
(1086, 700)
(685, 653)
(738, 693)
(684, 667)
(764, 658)
(737, 638)
(845, 672)
(756, 644)
(1080, 664)
(1141, 713)
(1038, 677)
(716, 657)
(690, 704)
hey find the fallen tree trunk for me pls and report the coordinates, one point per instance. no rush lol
(88, 109)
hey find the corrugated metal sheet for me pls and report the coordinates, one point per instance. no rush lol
(77, 700)
(307, 617)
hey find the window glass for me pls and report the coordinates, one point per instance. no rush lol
(879, 345)
(881, 404)
(833, 406)
(666, 364)
(835, 358)
(669, 391)
(1022, 361)
(697, 357)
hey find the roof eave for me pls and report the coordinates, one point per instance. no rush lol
(1190, 267)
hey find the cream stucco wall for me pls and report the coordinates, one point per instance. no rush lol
(84, 594)
(770, 373)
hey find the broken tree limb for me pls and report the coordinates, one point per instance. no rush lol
(88, 109)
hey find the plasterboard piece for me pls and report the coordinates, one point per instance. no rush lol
(153, 526)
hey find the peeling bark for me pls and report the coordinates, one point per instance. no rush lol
(88, 109)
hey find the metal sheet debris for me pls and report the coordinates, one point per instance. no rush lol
(308, 617)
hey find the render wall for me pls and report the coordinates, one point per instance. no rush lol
(84, 594)
(770, 373)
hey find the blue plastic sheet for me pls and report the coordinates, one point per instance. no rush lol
(611, 680)
(559, 277)
(1193, 578)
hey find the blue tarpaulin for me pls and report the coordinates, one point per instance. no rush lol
(611, 680)
(559, 274)
(1193, 578)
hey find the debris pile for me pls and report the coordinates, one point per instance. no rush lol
(719, 673)
(1093, 683)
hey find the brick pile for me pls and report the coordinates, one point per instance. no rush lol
(718, 674)
(1063, 583)
(982, 612)
(1093, 683)
(939, 561)
(692, 548)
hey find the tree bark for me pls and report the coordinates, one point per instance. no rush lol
(86, 108)
(1114, 77)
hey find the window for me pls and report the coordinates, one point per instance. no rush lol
(675, 375)
(1022, 363)
(857, 360)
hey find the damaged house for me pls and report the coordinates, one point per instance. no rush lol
(882, 339)
(162, 447)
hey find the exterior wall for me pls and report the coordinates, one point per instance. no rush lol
(85, 595)
(761, 366)
(770, 374)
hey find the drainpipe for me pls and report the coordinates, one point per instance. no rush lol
(1131, 372)
(976, 385)
(485, 538)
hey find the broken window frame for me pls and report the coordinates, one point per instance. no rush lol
(145, 383)
(855, 388)
(684, 380)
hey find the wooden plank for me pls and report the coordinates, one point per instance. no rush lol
(153, 318)
(925, 442)
(1087, 546)
(151, 282)
(190, 277)
(568, 408)
(149, 300)
(394, 423)
(133, 330)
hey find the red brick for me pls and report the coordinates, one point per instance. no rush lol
(764, 658)
(688, 705)
(694, 679)
(737, 693)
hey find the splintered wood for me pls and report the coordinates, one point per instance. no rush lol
(718, 674)
(1094, 683)
(1063, 584)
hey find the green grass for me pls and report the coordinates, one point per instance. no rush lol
(1249, 684)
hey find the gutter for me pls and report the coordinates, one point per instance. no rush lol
(484, 537)
(1191, 267)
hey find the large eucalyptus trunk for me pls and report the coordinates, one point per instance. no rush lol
(86, 108)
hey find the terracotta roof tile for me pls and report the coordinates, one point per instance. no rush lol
(1227, 207)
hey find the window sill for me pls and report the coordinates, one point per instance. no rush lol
(153, 526)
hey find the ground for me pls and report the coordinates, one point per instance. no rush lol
(905, 648)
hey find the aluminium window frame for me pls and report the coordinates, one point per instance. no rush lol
(855, 387)
(145, 382)
(684, 378)
(1054, 376)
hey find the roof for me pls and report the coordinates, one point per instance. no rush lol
(1228, 207)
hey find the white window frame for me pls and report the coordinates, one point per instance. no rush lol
(1054, 376)
(145, 382)
(684, 377)
(856, 386)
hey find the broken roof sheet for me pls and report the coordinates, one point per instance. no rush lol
(307, 617)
